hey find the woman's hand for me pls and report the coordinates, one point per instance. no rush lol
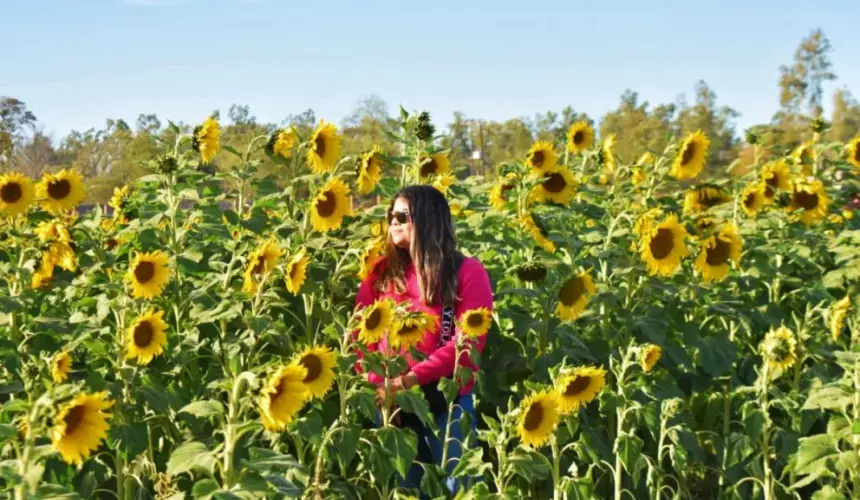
(401, 383)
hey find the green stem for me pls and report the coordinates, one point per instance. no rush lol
(309, 319)
(24, 462)
(457, 352)
(765, 437)
(556, 467)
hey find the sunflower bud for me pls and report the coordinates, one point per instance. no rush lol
(425, 128)
(166, 164)
(751, 136)
(671, 407)
(818, 124)
(531, 272)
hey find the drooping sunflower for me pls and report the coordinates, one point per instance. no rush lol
(16, 193)
(776, 176)
(63, 255)
(207, 139)
(804, 155)
(324, 148)
(541, 157)
(649, 355)
(261, 261)
(753, 198)
(810, 198)
(370, 170)
(43, 274)
(638, 176)
(118, 200)
(436, 164)
(443, 182)
(148, 274)
(532, 225)
(702, 198)
(296, 271)
(574, 295)
(837, 316)
(375, 321)
(319, 362)
(61, 367)
(580, 137)
(718, 251)
(331, 205)
(282, 142)
(53, 230)
(61, 191)
(146, 337)
(853, 150)
(531, 272)
(607, 154)
(283, 396)
(779, 349)
(579, 386)
(498, 192)
(408, 331)
(664, 246)
(476, 322)
(539, 415)
(80, 426)
(558, 186)
(369, 258)
(691, 156)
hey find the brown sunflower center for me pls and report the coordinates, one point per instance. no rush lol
(144, 271)
(58, 190)
(719, 253)
(662, 243)
(805, 200)
(769, 192)
(578, 137)
(711, 198)
(143, 334)
(294, 270)
(428, 167)
(327, 206)
(319, 145)
(531, 272)
(534, 417)
(774, 180)
(373, 319)
(554, 183)
(689, 153)
(313, 364)
(857, 152)
(571, 291)
(74, 418)
(538, 157)
(475, 320)
(407, 329)
(750, 200)
(11, 192)
(651, 357)
(259, 265)
(577, 385)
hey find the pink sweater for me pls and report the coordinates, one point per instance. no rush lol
(474, 290)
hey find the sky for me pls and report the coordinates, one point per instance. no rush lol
(77, 63)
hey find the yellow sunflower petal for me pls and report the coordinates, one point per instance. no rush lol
(282, 396)
(207, 139)
(574, 295)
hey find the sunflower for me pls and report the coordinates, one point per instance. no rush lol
(53, 230)
(533, 226)
(297, 271)
(261, 261)
(638, 176)
(319, 362)
(531, 272)
(607, 155)
(329, 207)
(436, 164)
(148, 274)
(539, 414)
(649, 355)
(804, 155)
(443, 182)
(370, 170)
(663, 247)
(282, 142)
(579, 387)
(475, 322)
(647, 158)
(44, 273)
(283, 396)
(580, 137)
(559, 186)
(717, 251)
(16, 193)
(206, 139)
(779, 349)
(574, 295)
(146, 338)
(63, 255)
(61, 366)
(324, 148)
(702, 198)
(498, 192)
(61, 191)
(691, 156)
(645, 221)
(837, 316)
(118, 200)
(407, 332)
(369, 257)
(777, 176)
(753, 198)
(375, 321)
(853, 150)
(80, 426)
(541, 157)
(811, 198)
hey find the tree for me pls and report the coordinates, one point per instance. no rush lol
(35, 155)
(846, 116)
(636, 128)
(15, 118)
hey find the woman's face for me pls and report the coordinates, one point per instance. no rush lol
(400, 224)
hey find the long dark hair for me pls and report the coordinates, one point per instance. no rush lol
(432, 250)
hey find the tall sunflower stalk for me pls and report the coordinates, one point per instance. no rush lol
(620, 370)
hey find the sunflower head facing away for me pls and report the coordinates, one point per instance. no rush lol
(664, 246)
(718, 251)
(16, 193)
(579, 386)
(649, 355)
(370, 170)
(853, 151)
(61, 367)
(779, 349)
(61, 191)
(282, 142)
(324, 148)
(319, 362)
(146, 337)
(296, 271)
(541, 156)
(691, 156)
(283, 395)
(80, 426)
(809, 201)
(837, 312)
(580, 137)
(207, 139)
(702, 198)
(148, 274)
(476, 322)
(331, 205)
(539, 415)
(574, 295)
(375, 321)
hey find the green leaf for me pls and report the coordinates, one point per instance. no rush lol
(716, 354)
(204, 488)
(828, 493)
(814, 455)
(630, 450)
(413, 401)
(529, 465)
(471, 463)
(204, 409)
(262, 459)
(7, 431)
(855, 427)
(345, 442)
(284, 487)
(364, 402)
(189, 456)
(401, 446)
(828, 397)
(131, 438)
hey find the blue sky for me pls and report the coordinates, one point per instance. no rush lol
(76, 63)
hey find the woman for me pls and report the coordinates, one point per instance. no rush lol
(423, 267)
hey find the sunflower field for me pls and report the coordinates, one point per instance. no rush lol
(654, 335)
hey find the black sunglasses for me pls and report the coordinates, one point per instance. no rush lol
(402, 217)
